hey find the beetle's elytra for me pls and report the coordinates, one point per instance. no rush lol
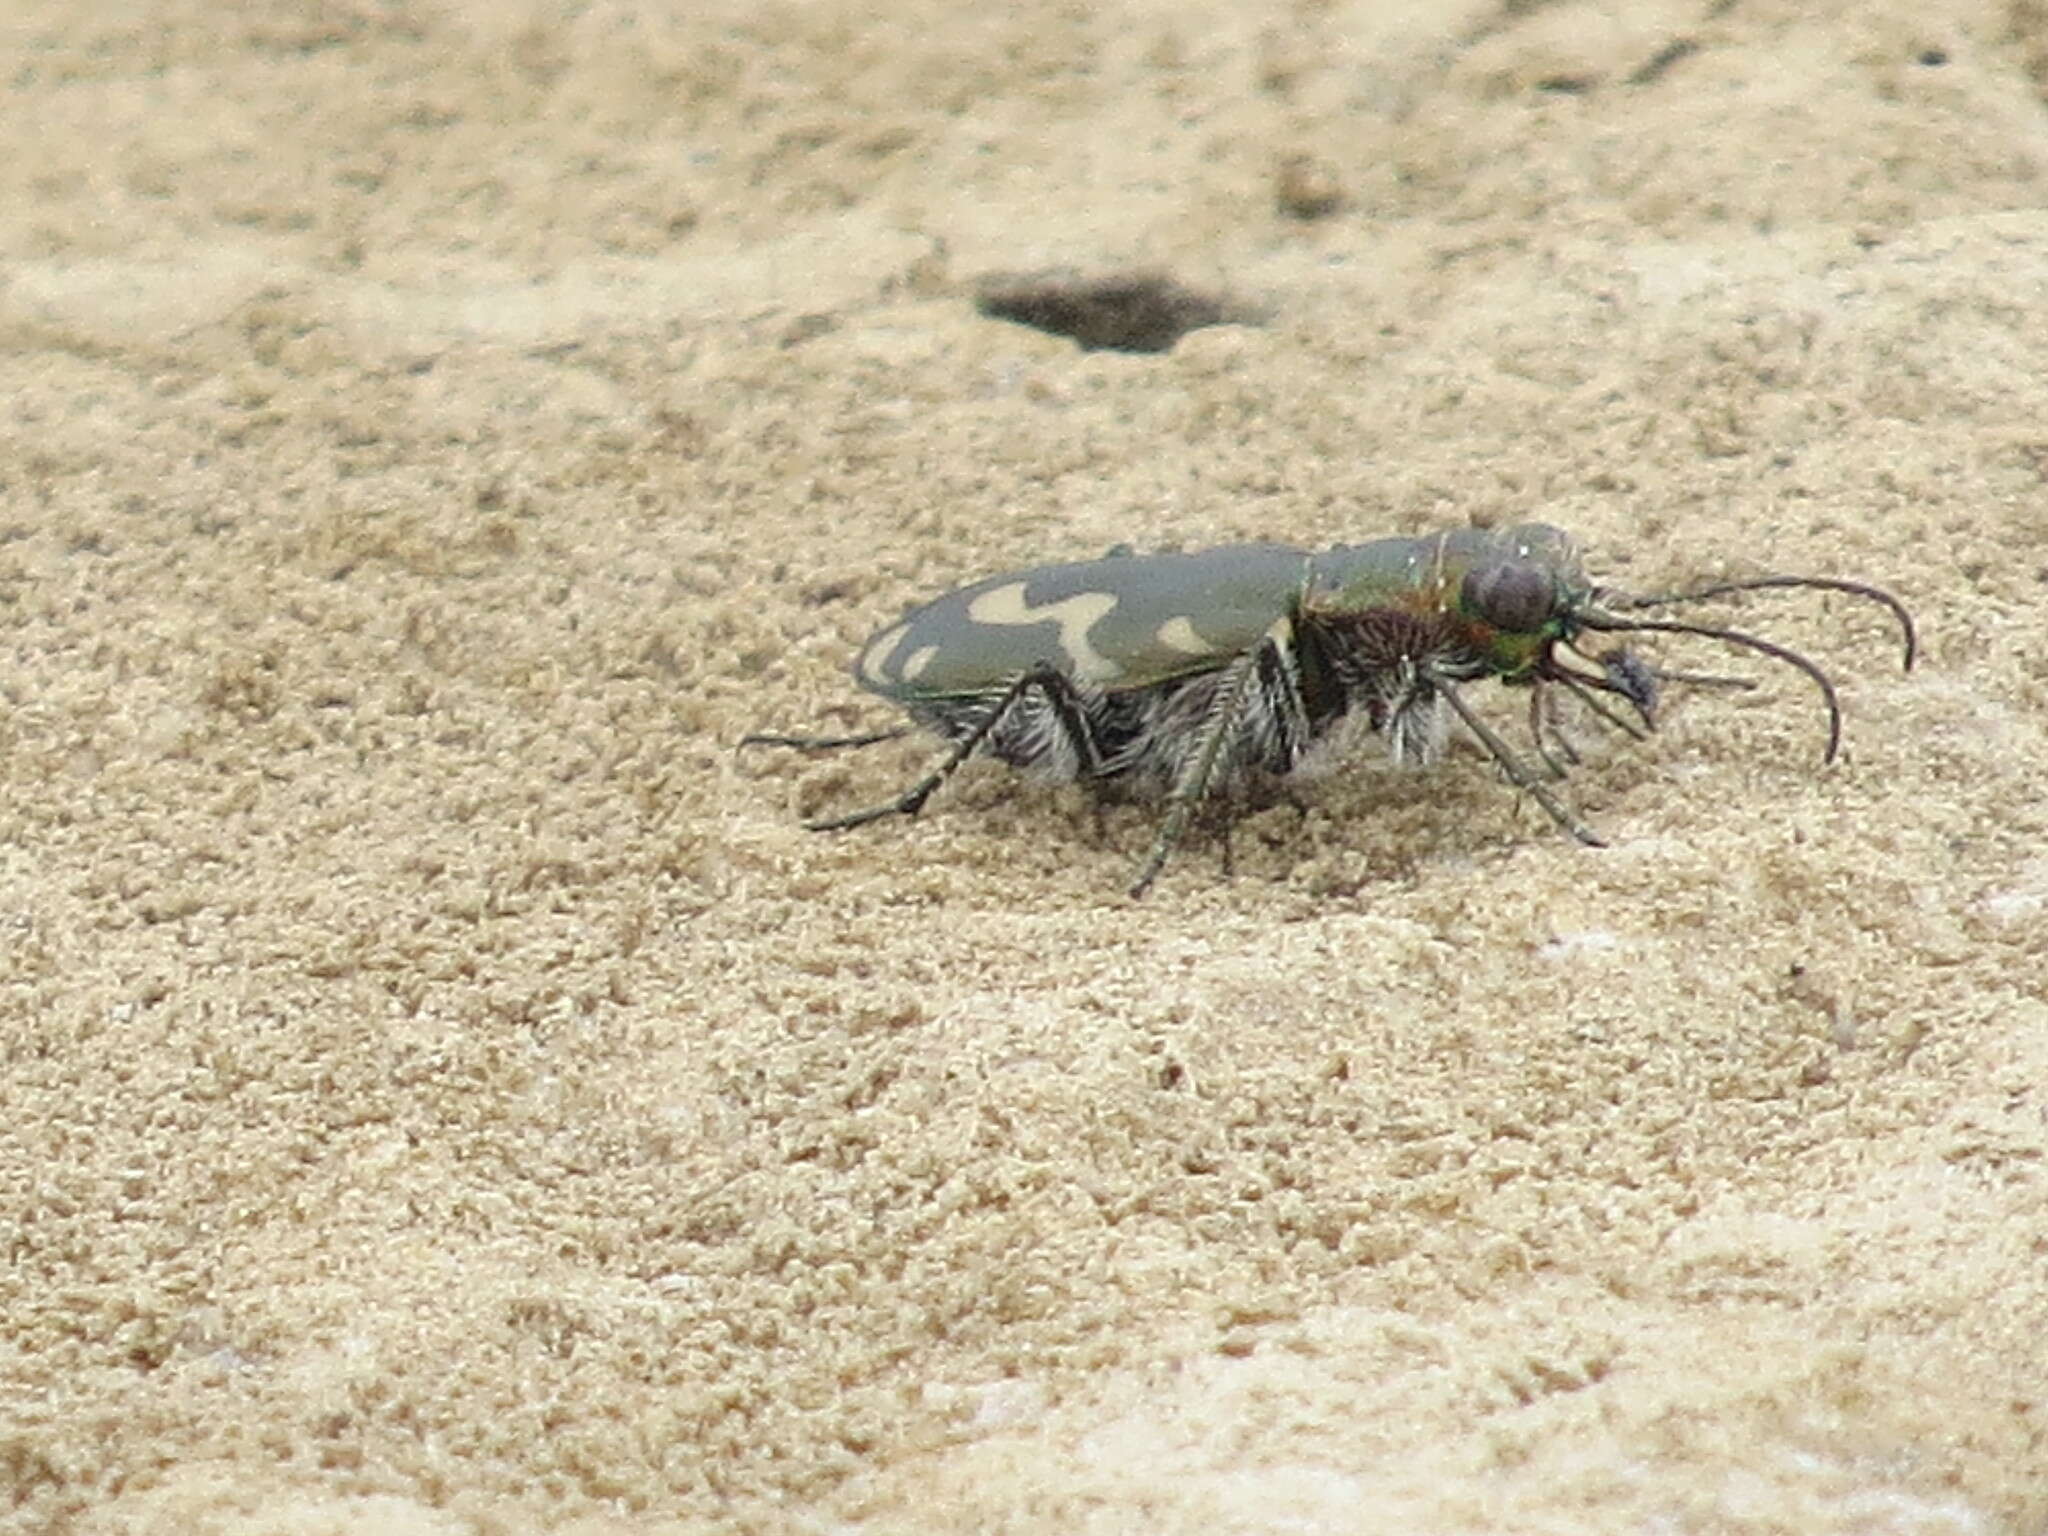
(1199, 679)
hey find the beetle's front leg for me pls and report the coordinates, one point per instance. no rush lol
(1542, 723)
(1519, 773)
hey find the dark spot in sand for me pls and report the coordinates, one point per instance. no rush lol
(1132, 312)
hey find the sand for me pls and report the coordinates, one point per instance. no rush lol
(447, 1090)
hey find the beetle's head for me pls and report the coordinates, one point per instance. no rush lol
(1521, 596)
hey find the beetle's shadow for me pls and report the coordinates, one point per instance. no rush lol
(1384, 823)
(1380, 821)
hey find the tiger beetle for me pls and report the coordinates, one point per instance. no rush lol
(1205, 679)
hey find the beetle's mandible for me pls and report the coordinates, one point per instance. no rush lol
(1200, 679)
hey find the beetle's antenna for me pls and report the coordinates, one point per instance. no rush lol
(1791, 658)
(1765, 583)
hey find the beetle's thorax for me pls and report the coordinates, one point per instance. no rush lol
(1353, 646)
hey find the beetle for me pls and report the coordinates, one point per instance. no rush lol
(1208, 678)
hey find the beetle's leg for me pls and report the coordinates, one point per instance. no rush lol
(1069, 717)
(1584, 693)
(821, 743)
(1543, 723)
(1197, 771)
(1098, 819)
(1518, 773)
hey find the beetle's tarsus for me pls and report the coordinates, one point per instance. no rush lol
(821, 743)
(908, 804)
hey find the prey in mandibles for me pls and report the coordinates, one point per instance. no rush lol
(1204, 681)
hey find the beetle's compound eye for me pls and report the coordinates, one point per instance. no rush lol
(1517, 596)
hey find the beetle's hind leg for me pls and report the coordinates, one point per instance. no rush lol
(1067, 719)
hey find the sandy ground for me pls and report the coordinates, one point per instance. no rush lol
(447, 1091)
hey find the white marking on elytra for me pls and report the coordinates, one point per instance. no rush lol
(1074, 616)
(879, 650)
(1178, 634)
(920, 658)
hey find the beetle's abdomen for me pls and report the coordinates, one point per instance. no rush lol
(1140, 739)
(1116, 624)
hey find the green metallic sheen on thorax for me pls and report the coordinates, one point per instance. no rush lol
(1425, 576)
